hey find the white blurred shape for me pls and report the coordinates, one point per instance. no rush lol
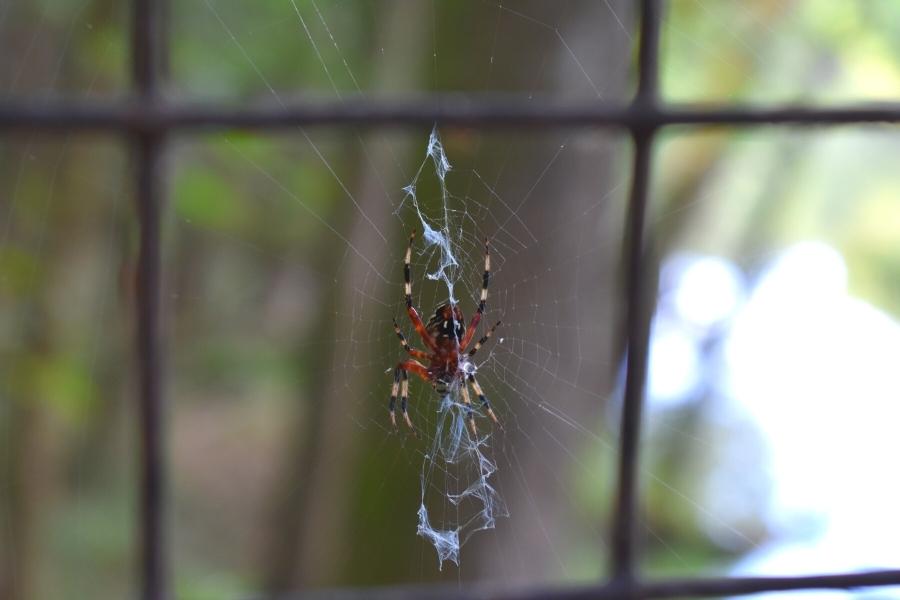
(816, 370)
(674, 365)
(697, 293)
(707, 289)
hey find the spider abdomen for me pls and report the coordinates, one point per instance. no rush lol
(444, 366)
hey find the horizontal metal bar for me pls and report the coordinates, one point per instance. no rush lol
(449, 110)
(751, 585)
(659, 589)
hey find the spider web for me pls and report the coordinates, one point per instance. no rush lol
(539, 367)
(455, 451)
(542, 363)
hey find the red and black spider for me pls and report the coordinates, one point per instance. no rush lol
(449, 365)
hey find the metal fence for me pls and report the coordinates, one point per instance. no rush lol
(146, 120)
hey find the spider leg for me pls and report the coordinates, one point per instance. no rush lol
(470, 417)
(484, 401)
(476, 318)
(412, 351)
(401, 385)
(486, 337)
(410, 310)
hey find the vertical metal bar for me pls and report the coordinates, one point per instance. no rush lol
(152, 507)
(648, 53)
(146, 52)
(636, 307)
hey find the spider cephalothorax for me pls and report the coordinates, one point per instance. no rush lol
(446, 338)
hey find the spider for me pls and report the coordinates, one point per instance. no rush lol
(446, 340)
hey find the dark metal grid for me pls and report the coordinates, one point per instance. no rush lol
(147, 121)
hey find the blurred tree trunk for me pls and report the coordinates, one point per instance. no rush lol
(24, 472)
(30, 443)
(547, 525)
(317, 483)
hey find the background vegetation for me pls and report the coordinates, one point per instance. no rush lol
(278, 330)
